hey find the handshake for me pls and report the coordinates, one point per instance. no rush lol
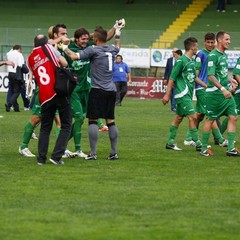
(119, 25)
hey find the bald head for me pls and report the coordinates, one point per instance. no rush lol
(40, 40)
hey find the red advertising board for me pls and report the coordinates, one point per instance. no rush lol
(146, 88)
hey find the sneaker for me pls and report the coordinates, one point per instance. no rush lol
(68, 154)
(207, 153)
(26, 109)
(103, 128)
(234, 153)
(56, 162)
(79, 153)
(199, 148)
(224, 143)
(25, 152)
(91, 157)
(40, 163)
(173, 147)
(34, 136)
(189, 143)
(113, 157)
(7, 108)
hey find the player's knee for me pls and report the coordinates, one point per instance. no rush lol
(232, 118)
(79, 119)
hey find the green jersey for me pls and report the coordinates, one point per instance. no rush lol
(217, 66)
(81, 67)
(183, 75)
(236, 71)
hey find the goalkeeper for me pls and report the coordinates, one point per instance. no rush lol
(79, 97)
(102, 96)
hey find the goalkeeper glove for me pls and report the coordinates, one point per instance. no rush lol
(62, 46)
(119, 24)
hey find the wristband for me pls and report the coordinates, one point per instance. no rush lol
(222, 88)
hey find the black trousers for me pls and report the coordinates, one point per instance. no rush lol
(48, 110)
(121, 91)
(16, 87)
(221, 5)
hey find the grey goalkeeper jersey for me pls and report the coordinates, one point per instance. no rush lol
(101, 64)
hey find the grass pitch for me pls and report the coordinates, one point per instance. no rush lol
(150, 193)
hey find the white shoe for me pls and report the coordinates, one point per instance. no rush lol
(25, 152)
(224, 144)
(68, 154)
(79, 153)
(34, 136)
(189, 143)
(173, 147)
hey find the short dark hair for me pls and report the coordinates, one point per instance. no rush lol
(40, 40)
(79, 32)
(17, 47)
(209, 36)
(220, 34)
(119, 56)
(179, 52)
(57, 26)
(100, 34)
(189, 42)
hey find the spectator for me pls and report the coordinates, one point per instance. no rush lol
(15, 85)
(121, 75)
(221, 5)
(129, 1)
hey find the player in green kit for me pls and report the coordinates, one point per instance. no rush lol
(201, 68)
(236, 93)
(236, 74)
(184, 77)
(79, 97)
(219, 100)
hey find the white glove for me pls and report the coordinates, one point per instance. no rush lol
(29, 88)
(120, 24)
(62, 46)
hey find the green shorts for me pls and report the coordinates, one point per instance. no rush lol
(201, 101)
(237, 100)
(79, 101)
(36, 109)
(218, 105)
(185, 108)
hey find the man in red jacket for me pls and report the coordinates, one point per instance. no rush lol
(43, 70)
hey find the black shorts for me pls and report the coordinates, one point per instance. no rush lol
(101, 104)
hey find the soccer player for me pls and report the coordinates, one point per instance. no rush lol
(236, 93)
(183, 78)
(79, 97)
(219, 100)
(102, 96)
(201, 67)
